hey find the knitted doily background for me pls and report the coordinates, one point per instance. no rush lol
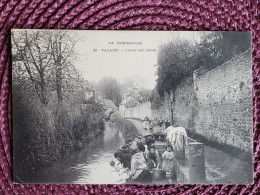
(237, 15)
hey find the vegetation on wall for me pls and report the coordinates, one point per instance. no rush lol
(179, 58)
(126, 127)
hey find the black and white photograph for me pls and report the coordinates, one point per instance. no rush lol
(132, 107)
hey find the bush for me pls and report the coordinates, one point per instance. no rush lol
(88, 125)
(179, 58)
(126, 127)
(33, 135)
(44, 134)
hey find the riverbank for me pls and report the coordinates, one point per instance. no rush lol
(138, 124)
(126, 127)
(90, 165)
(46, 134)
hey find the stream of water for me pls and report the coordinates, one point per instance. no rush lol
(90, 165)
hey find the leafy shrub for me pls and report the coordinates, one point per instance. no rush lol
(126, 127)
(44, 134)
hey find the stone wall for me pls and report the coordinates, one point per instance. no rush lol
(141, 111)
(223, 103)
(216, 104)
(145, 110)
(164, 110)
(183, 109)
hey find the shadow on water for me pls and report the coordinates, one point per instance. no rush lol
(90, 165)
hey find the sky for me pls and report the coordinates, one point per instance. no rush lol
(103, 54)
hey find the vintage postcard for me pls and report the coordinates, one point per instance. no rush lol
(131, 107)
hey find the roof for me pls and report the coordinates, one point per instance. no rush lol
(108, 103)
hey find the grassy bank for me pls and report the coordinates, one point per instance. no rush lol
(126, 127)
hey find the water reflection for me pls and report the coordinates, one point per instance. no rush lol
(96, 168)
(91, 165)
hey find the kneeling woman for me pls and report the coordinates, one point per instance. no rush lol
(121, 166)
(139, 171)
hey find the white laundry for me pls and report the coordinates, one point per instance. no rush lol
(177, 136)
(169, 131)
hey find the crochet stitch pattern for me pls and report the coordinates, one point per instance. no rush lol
(211, 15)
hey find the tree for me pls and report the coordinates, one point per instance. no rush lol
(174, 63)
(42, 58)
(31, 55)
(62, 50)
(146, 95)
(156, 99)
(219, 47)
(109, 88)
(179, 58)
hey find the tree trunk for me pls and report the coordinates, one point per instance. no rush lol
(43, 89)
(59, 80)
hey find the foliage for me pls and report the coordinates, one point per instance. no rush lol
(33, 134)
(179, 58)
(174, 63)
(219, 47)
(109, 88)
(88, 124)
(134, 97)
(126, 127)
(131, 102)
(156, 100)
(43, 134)
(43, 58)
(48, 122)
(146, 95)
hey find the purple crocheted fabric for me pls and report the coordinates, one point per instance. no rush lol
(237, 15)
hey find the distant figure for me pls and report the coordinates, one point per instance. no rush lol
(147, 127)
(167, 157)
(152, 124)
(139, 170)
(146, 123)
(155, 120)
(160, 120)
(167, 124)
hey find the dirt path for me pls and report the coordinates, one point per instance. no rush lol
(221, 168)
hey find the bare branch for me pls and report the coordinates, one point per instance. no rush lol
(27, 45)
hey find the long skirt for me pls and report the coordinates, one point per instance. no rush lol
(144, 178)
